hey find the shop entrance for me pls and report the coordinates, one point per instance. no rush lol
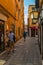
(2, 46)
(32, 32)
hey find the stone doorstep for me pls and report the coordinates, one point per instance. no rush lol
(3, 52)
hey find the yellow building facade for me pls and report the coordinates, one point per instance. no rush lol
(33, 15)
(33, 20)
(11, 17)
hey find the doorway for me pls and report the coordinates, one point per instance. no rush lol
(2, 45)
(32, 32)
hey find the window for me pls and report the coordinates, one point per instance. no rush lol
(16, 5)
(18, 14)
(36, 15)
(33, 8)
(37, 3)
(19, 31)
(32, 15)
(18, 0)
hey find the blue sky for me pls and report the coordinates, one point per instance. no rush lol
(26, 4)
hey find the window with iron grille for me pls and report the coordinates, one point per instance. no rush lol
(33, 8)
(18, 0)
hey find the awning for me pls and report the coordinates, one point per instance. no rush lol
(35, 27)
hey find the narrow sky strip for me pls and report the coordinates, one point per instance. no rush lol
(26, 4)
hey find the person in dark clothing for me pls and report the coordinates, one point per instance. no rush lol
(11, 37)
(14, 38)
(24, 35)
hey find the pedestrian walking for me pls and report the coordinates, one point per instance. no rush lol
(24, 35)
(11, 40)
(7, 41)
(1, 41)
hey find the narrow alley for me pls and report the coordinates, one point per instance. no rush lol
(26, 53)
(18, 19)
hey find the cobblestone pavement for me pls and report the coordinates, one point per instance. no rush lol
(26, 53)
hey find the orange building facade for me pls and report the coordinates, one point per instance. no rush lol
(33, 21)
(20, 18)
(11, 17)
